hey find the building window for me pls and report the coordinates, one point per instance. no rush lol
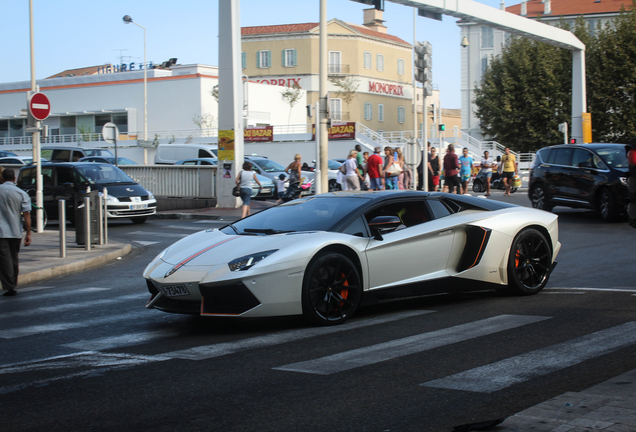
(243, 60)
(380, 62)
(334, 61)
(592, 26)
(487, 37)
(400, 66)
(264, 59)
(368, 114)
(335, 109)
(401, 114)
(367, 60)
(289, 57)
(380, 112)
(484, 65)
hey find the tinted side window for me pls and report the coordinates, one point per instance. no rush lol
(64, 175)
(26, 177)
(563, 156)
(582, 157)
(204, 154)
(61, 155)
(439, 210)
(356, 228)
(544, 155)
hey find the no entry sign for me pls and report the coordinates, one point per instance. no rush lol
(39, 106)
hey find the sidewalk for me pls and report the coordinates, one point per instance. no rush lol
(41, 260)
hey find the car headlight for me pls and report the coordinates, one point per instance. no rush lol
(623, 180)
(150, 196)
(249, 261)
(112, 200)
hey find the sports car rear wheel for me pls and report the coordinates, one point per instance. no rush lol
(332, 289)
(529, 263)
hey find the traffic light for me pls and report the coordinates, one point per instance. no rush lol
(442, 127)
(424, 65)
(572, 140)
(630, 150)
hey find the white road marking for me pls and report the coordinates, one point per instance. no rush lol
(71, 306)
(37, 288)
(157, 234)
(184, 227)
(410, 345)
(39, 297)
(612, 289)
(48, 328)
(145, 243)
(113, 342)
(515, 370)
(221, 349)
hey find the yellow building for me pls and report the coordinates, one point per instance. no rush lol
(370, 71)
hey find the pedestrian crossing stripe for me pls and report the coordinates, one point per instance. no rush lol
(514, 370)
(410, 345)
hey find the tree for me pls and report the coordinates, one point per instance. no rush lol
(206, 122)
(292, 96)
(347, 88)
(526, 92)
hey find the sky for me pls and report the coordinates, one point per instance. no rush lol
(71, 34)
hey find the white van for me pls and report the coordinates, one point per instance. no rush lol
(168, 154)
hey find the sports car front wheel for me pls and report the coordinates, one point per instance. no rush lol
(529, 263)
(332, 289)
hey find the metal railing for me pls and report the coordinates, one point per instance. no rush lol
(337, 68)
(363, 131)
(181, 181)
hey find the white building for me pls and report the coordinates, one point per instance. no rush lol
(180, 100)
(484, 42)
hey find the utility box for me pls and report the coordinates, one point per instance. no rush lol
(80, 218)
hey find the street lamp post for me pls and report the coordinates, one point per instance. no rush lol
(128, 20)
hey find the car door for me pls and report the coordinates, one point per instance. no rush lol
(558, 176)
(416, 252)
(584, 173)
(64, 187)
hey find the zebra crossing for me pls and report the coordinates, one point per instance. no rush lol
(172, 233)
(107, 352)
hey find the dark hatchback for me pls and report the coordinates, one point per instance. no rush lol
(68, 180)
(590, 176)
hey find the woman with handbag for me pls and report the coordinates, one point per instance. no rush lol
(244, 182)
(391, 170)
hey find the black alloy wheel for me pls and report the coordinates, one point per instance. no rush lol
(607, 206)
(332, 289)
(529, 262)
(539, 199)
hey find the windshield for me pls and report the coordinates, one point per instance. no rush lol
(268, 165)
(613, 156)
(104, 174)
(308, 214)
(98, 152)
(334, 165)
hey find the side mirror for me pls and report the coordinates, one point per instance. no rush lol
(383, 224)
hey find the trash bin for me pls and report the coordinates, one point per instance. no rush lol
(80, 218)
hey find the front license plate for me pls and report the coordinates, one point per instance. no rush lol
(174, 290)
(138, 206)
(266, 190)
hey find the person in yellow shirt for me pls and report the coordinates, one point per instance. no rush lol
(510, 169)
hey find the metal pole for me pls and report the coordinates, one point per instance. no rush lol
(39, 201)
(317, 177)
(425, 143)
(100, 217)
(62, 212)
(87, 220)
(105, 193)
(145, 96)
(323, 94)
(413, 181)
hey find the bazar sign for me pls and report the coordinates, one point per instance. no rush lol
(289, 82)
(339, 131)
(390, 89)
(259, 133)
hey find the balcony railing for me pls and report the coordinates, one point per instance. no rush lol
(338, 69)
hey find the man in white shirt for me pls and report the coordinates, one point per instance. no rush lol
(486, 169)
(13, 203)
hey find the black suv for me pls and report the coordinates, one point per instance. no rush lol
(68, 180)
(590, 176)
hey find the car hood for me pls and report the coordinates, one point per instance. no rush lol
(124, 190)
(213, 247)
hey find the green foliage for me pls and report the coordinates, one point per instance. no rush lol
(526, 91)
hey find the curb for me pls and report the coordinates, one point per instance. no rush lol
(64, 269)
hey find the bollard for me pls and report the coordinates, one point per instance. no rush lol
(105, 215)
(87, 219)
(62, 217)
(100, 226)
